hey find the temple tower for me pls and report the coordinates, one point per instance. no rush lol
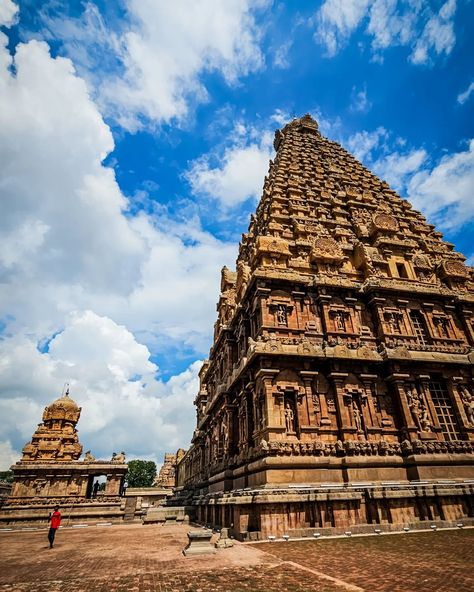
(342, 356)
(51, 473)
(56, 437)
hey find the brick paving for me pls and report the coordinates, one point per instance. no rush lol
(421, 562)
(139, 558)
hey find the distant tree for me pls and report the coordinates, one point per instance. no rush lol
(6, 476)
(141, 473)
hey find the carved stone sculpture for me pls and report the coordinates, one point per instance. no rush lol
(289, 418)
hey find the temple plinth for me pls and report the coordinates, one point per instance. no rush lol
(341, 373)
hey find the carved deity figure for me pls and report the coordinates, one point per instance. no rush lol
(339, 321)
(289, 418)
(88, 457)
(357, 417)
(418, 410)
(468, 402)
(442, 324)
(394, 322)
(425, 420)
(281, 315)
(225, 438)
(243, 426)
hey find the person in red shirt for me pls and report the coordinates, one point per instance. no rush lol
(55, 519)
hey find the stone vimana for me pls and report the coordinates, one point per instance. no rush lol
(50, 473)
(338, 390)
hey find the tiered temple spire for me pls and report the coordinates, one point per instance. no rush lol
(342, 350)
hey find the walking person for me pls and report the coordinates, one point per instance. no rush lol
(55, 519)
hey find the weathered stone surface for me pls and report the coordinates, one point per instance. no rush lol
(50, 473)
(199, 543)
(224, 541)
(342, 354)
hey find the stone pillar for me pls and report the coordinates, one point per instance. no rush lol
(399, 382)
(454, 386)
(310, 418)
(373, 424)
(435, 427)
(344, 421)
(271, 408)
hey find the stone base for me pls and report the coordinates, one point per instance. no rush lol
(199, 543)
(255, 514)
(21, 515)
(167, 514)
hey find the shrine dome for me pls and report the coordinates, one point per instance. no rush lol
(63, 408)
(66, 402)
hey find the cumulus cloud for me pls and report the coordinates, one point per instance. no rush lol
(388, 23)
(8, 12)
(444, 192)
(90, 291)
(362, 143)
(111, 377)
(162, 51)
(236, 174)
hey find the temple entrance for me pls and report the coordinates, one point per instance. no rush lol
(96, 486)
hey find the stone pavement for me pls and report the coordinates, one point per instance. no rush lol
(136, 558)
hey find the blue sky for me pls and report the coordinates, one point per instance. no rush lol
(134, 138)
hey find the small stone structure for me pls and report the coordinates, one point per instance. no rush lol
(199, 543)
(224, 541)
(50, 473)
(166, 478)
(164, 514)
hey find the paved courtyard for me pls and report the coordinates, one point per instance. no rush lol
(148, 558)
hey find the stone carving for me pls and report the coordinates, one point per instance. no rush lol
(281, 315)
(326, 249)
(468, 402)
(88, 457)
(56, 437)
(385, 222)
(358, 420)
(51, 471)
(324, 244)
(418, 410)
(454, 268)
(289, 418)
(118, 458)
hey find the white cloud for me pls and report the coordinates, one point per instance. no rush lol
(445, 192)
(280, 58)
(162, 52)
(396, 168)
(464, 96)
(438, 35)
(359, 100)
(336, 20)
(78, 270)
(8, 12)
(8, 456)
(362, 143)
(110, 376)
(442, 189)
(240, 172)
(389, 23)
